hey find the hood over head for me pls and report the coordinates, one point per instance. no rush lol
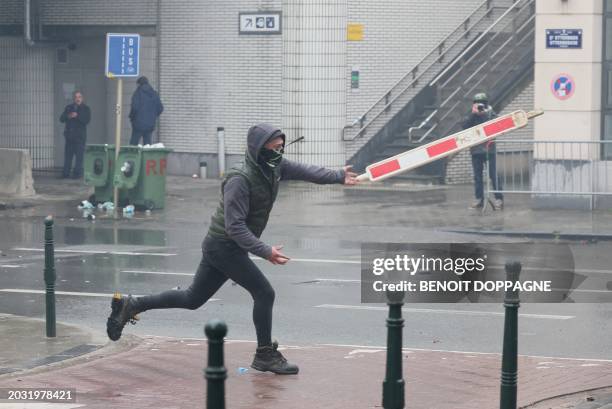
(147, 88)
(258, 136)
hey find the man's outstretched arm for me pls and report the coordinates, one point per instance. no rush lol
(300, 171)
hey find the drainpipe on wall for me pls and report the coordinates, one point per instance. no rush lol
(27, 24)
(28, 17)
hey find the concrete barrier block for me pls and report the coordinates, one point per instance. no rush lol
(16, 173)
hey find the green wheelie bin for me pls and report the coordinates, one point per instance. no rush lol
(98, 171)
(150, 192)
(128, 167)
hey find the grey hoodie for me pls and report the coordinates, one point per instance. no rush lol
(236, 190)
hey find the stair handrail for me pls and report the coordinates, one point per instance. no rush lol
(421, 125)
(414, 69)
(459, 57)
(449, 111)
(479, 50)
(468, 49)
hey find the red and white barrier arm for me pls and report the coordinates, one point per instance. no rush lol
(447, 146)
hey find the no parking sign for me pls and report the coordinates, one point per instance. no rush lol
(563, 86)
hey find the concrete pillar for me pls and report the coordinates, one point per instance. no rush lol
(314, 66)
(577, 115)
(567, 86)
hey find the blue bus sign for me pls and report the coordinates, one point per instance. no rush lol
(122, 55)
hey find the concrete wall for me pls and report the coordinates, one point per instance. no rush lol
(397, 36)
(84, 12)
(16, 173)
(34, 87)
(213, 77)
(218, 78)
(96, 12)
(572, 177)
(11, 12)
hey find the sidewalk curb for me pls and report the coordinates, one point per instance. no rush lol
(573, 236)
(127, 343)
(573, 395)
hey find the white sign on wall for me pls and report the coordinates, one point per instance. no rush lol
(260, 22)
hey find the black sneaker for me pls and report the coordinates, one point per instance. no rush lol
(268, 358)
(123, 311)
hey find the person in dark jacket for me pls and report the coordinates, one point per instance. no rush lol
(248, 193)
(146, 108)
(76, 116)
(483, 112)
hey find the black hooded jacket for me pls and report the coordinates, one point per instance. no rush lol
(249, 191)
(146, 107)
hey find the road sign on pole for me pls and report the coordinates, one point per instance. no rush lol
(122, 55)
(122, 60)
(447, 146)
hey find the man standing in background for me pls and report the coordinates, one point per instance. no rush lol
(146, 108)
(485, 152)
(76, 116)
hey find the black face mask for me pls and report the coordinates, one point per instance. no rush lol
(270, 157)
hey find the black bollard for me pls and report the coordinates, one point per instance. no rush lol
(215, 373)
(49, 278)
(393, 385)
(509, 372)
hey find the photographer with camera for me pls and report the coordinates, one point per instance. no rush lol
(485, 152)
(76, 116)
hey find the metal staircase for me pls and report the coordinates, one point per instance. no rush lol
(491, 50)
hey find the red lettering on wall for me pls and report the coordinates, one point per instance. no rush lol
(150, 166)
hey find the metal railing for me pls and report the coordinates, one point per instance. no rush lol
(500, 61)
(567, 168)
(422, 125)
(446, 50)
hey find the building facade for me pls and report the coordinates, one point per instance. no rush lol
(319, 72)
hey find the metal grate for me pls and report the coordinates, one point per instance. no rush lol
(26, 109)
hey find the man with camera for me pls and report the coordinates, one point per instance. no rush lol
(485, 152)
(76, 116)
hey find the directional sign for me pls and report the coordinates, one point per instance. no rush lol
(446, 146)
(122, 55)
(260, 22)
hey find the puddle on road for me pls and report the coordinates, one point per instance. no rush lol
(30, 233)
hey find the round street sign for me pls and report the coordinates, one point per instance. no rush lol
(562, 86)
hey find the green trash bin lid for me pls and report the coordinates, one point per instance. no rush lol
(156, 150)
(99, 147)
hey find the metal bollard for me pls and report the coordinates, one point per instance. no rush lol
(393, 385)
(509, 373)
(215, 373)
(49, 278)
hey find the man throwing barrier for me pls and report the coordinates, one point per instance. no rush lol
(247, 195)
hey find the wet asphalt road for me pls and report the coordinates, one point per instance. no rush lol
(317, 293)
